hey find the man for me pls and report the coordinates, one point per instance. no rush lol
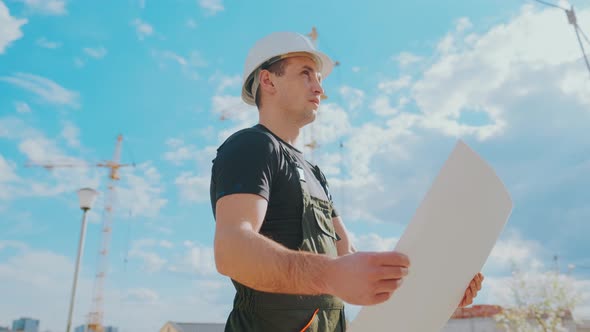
(278, 236)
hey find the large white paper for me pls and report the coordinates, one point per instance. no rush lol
(448, 242)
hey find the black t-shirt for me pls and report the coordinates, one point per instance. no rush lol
(250, 161)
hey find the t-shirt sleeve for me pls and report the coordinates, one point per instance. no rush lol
(245, 164)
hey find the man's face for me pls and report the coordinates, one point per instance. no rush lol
(299, 89)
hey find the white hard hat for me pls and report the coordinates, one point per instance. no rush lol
(279, 44)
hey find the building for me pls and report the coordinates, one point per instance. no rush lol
(25, 324)
(82, 328)
(480, 318)
(477, 318)
(583, 326)
(4, 329)
(192, 327)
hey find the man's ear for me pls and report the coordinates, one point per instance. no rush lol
(266, 81)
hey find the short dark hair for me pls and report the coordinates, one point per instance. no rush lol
(274, 66)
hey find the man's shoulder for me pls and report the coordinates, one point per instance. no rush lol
(250, 138)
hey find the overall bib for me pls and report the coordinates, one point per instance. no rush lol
(258, 311)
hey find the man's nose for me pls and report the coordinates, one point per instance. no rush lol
(317, 87)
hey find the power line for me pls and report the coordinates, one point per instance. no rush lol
(583, 34)
(583, 51)
(571, 17)
(550, 4)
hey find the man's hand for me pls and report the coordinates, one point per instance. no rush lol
(471, 291)
(366, 278)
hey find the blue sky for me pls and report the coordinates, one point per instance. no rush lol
(507, 77)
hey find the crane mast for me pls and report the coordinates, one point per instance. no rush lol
(96, 315)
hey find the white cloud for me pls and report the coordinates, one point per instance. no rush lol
(372, 242)
(224, 82)
(446, 44)
(71, 134)
(97, 53)
(39, 283)
(463, 24)
(392, 86)
(144, 250)
(181, 152)
(140, 191)
(234, 110)
(22, 107)
(381, 106)
(575, 83)
(212, 7)
(43, 42)
(196, 260)
(330, 163)
(330, 126)
(189, 65)
(513, 253)
(46, 89)
(498, 60)
(12, 244)
(191, 24)
(166, 244)
(169, 55)
(10, 28)
(142, 295)
(152, 262)
(40, 151)
(8, 178)
(47, 7)
(78, 62)
(405, 59)
(376, 159)
(352, 96)
(143, 29)
(193, 188)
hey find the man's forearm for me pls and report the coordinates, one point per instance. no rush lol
(344, 245)
(260, 263)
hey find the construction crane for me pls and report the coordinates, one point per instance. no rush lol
(96, 315)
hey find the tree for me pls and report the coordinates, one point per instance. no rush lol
(542, 301)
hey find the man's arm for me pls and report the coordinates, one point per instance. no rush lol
(344, 245)
(258, 262)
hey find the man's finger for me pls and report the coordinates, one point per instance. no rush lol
(384, 286)
(391, 272)
(392, 258)
(473, 289)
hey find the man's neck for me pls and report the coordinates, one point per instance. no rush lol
(288, 132)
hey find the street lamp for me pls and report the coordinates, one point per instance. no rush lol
(86, 197)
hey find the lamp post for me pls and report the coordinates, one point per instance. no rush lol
(86, 197)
